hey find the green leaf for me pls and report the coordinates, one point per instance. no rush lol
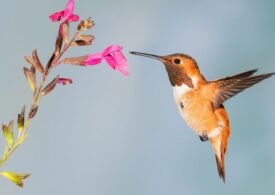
(8, 133)
(15, 177)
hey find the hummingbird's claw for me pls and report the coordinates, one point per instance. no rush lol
(203, 137)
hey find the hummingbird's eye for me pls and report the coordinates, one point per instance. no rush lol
(177, 61)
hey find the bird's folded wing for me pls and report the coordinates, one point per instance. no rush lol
(228, 87)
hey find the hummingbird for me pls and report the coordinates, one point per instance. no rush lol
(200, 102)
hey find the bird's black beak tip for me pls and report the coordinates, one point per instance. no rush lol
(133, 52)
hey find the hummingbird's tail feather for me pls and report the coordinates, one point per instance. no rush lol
(219, 140)
(220, 167)
(219, 148)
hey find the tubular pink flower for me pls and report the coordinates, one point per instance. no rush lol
(93, 59)
(113, 56)
(65, 15)
(64, 81)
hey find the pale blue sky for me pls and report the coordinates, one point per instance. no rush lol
(113, 135)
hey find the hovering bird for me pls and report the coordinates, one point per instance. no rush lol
(200, 102)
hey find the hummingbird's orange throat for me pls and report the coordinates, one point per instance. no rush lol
(178, 76)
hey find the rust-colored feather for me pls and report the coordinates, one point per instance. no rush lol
(230, 86)
(219, 142)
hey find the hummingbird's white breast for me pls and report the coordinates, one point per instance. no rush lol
(179, 91)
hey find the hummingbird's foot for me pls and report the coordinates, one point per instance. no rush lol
(203, 137)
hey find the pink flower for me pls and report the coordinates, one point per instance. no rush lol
(113, 56)
(64, 81)
(65, 15)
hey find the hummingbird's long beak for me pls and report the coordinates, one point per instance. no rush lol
(147, 55)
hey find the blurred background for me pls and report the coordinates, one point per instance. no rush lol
(108, 134)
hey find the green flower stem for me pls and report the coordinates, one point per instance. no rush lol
(35, 101)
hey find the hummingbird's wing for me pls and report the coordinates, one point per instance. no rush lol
(226, 88)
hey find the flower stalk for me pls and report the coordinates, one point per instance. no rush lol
(112, 56)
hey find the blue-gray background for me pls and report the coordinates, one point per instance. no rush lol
(113, 135)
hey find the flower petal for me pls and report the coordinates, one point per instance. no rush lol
(93, 59)
(73, 18)
(123, 67)
(118, 62)
(65, 15)
(113, 56)
(111, 61)
(111, 48)
(70, 7)
(56, 16)
(68, 11)
(116, 59)
(64, 81)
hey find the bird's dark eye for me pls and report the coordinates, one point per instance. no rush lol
(177, 61)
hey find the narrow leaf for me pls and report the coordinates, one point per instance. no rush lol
(85, 24)
(58, 46)
(50, 86)
(8, 134)
(37, 64)
(33, 71)
(31, 78)
(49, 64)
(15, 177)
(21, 119)
(30, 60)
(11, 124)
(33, 111)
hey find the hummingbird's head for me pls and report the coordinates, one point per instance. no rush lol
(180, 67)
